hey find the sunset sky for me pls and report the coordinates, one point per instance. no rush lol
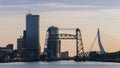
(88, 15)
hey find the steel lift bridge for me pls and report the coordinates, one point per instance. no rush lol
(79, 43)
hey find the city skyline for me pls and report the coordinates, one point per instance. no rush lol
(86, 15)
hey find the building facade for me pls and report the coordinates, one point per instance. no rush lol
(64, 55)
(8, 48)
(53, 43)
(32, 34)
(19, 44)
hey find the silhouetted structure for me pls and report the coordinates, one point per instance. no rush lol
(100, 44)
(52, 42)
(19, 44)
(32, 34)
(53, 45)
(8, 48)
(24, 39)
(64, 55)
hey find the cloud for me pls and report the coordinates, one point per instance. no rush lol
(112, 11)
(52, 5)
(43, 7)
(63, 5)
(47, 7)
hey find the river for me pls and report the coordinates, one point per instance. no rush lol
(60, 64)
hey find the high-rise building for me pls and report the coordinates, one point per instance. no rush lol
(53, 43)
(32, 34)
(24, 40)
(19, 44)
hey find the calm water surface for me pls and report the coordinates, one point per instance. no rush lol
(60, 64)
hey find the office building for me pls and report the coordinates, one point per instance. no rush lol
(32, 34)
(24, 40)
(19, 44)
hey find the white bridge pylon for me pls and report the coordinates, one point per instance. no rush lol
(100, 44)
(102, 51)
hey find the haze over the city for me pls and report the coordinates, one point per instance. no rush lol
(88, 15)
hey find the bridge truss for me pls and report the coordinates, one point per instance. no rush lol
(79, 43)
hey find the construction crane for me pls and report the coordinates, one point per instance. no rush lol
(79, 43)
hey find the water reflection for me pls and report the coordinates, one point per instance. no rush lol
(60, 64)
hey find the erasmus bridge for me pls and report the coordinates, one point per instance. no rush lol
(98, 38)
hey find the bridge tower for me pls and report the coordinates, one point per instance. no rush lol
(59, 36)
(100, 44)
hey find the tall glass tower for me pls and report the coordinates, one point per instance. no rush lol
(32, 34)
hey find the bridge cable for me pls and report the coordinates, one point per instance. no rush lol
(93, 43)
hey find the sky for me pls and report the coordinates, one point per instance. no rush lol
(87, 15)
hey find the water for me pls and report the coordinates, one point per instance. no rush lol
(60, 64)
